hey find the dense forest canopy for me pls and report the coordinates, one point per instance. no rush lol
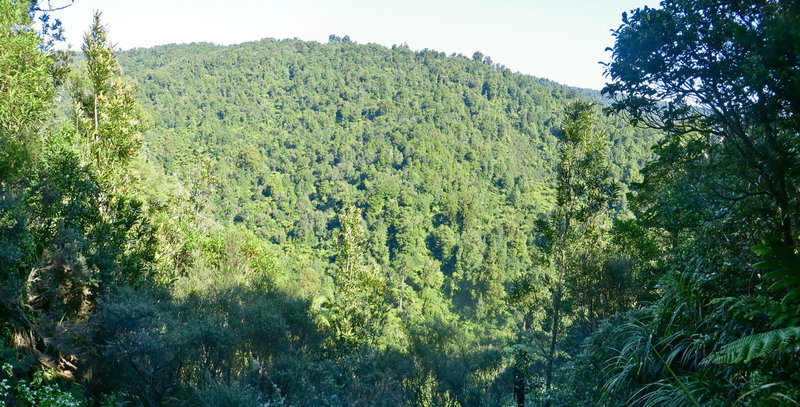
(294, 131)
(284, 222)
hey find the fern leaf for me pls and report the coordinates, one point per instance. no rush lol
(758, 345)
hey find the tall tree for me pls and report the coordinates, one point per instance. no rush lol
(584, 192)
(105, 109)
(357, 311)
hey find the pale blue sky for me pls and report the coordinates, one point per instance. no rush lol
(562, 40)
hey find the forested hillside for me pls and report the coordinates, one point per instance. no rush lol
(449, 160)
(294, 130)
(292, 223)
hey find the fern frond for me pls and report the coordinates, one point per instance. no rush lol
(750, 307)
(758, 345)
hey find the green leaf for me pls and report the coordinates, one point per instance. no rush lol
(756, 346)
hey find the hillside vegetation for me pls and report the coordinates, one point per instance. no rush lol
(450, 160)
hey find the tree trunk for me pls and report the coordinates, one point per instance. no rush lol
(519, 387)
(551, 353)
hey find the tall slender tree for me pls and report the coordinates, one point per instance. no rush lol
(106, 113)
(584, 192)
(358, 308)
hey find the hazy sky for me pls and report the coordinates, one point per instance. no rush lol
(562, 40)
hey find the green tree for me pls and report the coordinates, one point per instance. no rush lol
(26, 89)
(358, 309)
(718, 79)
(67, 236)
(105, 110)
(584, 194)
